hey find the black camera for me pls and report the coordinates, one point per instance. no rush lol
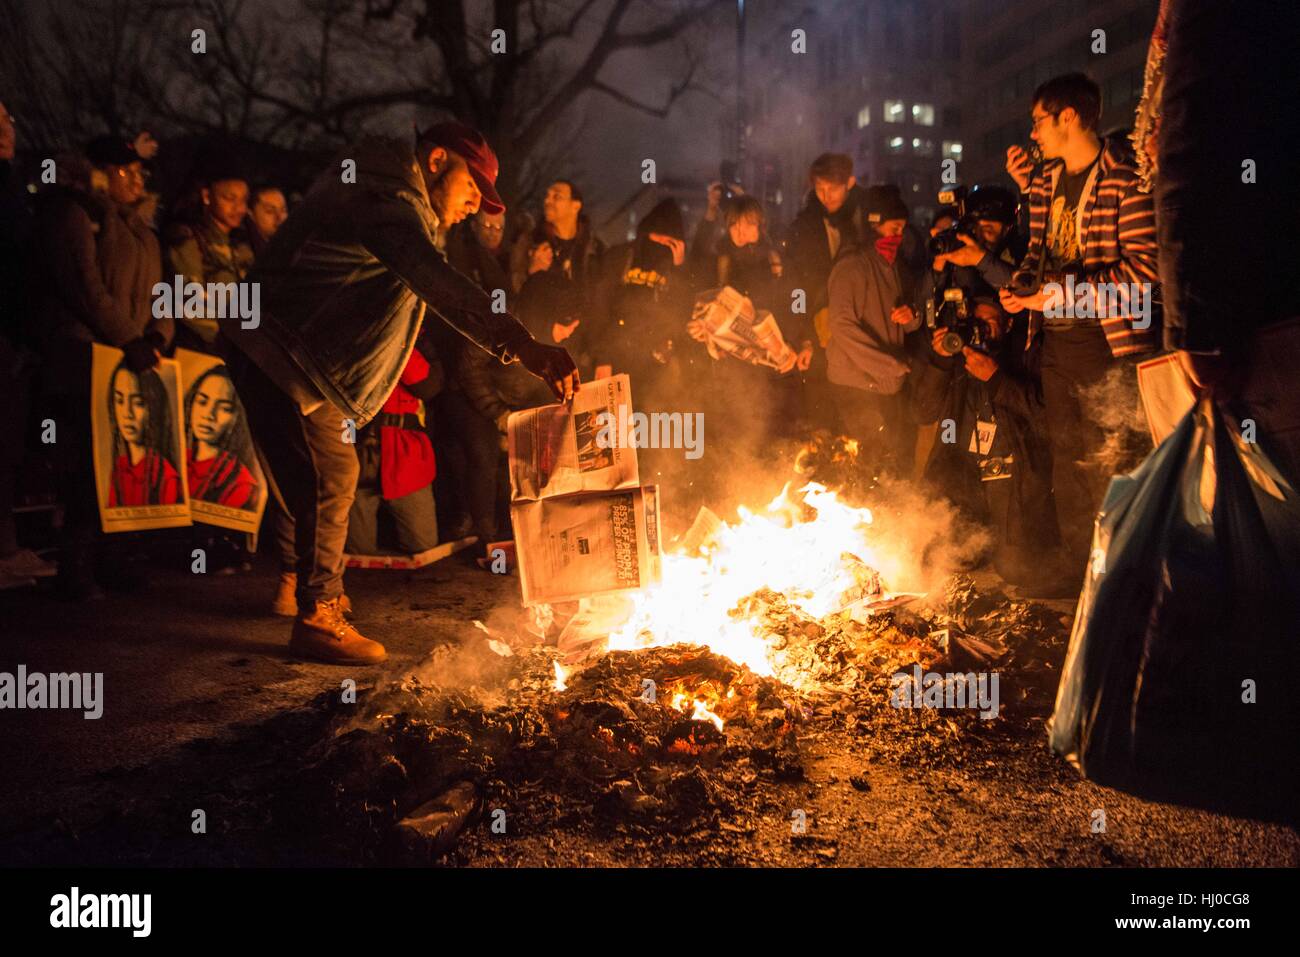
(948, 241)
(996, 467)
(983, 202)
(728, 175)
(951, 311)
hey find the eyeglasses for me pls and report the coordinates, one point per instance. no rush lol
(1033, 127)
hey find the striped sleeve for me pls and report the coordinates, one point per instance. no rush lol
(1136, 233)
(1027, 273)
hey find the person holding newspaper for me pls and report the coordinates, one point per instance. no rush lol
(344, 287)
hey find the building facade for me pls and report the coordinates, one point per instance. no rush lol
(904, 85)
(876, 79)
(1011, 46)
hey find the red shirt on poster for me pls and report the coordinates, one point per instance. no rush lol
(151, 481)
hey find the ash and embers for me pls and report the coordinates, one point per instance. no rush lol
(632, 743)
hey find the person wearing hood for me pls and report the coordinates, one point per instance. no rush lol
(866, 357)
(642, 301)
(345, 287)
(97, 262)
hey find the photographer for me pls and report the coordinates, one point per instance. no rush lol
(975, 250)
(992, 460)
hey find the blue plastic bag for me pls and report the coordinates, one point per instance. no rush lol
(1181, 679)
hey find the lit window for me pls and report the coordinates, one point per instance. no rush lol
(922, 147)
(894, 111)
(923, 114)
(895, 144)
(864, 116)
(952, 149)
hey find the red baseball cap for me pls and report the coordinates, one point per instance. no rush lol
(472, 146)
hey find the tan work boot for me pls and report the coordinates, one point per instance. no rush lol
(325, 635)
(285, 603)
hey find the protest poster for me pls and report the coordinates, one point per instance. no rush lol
(226, 484)
(136, 441)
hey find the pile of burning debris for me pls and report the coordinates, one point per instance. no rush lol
(683, 709)
(668, 708)
(665, 738)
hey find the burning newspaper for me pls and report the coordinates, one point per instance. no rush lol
(590, 544)
(733, 327)
(562, 449)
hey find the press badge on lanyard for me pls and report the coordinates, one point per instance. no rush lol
(981, 437)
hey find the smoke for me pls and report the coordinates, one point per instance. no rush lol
(920, 540)
(1113, 406)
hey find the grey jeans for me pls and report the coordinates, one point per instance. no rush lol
(313, 473)
(415, 515)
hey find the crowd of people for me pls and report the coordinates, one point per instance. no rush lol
(941, 356)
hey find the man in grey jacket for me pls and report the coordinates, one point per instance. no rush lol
(868, 319)
(343, 287)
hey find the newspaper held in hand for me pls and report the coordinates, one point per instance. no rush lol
(564, 449)
(733, 327)
(1166, 394)
(595, 543)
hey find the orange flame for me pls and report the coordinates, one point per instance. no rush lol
(801, 548)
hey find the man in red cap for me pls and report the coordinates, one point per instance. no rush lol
(344, 285)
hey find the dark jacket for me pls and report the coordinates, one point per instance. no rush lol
(758, 272)
(16, 225)
(993, 271)
(494, 389)
(641, 302)
(808, 254)
(1023, 521)
(564, 292)
(1228, 249)
(702, 257)
(346, 280)
(491, 273)
(587, 249)
(97, 265)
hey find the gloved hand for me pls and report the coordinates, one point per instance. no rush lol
(553, 365)
(143, 353)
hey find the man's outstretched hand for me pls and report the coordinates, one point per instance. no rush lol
(553, 365)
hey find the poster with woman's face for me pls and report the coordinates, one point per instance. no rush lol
(138, 452)
(226, 485)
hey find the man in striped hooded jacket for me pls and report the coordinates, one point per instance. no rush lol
(1090, 279)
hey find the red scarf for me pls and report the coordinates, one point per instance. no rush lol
(887, 246)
